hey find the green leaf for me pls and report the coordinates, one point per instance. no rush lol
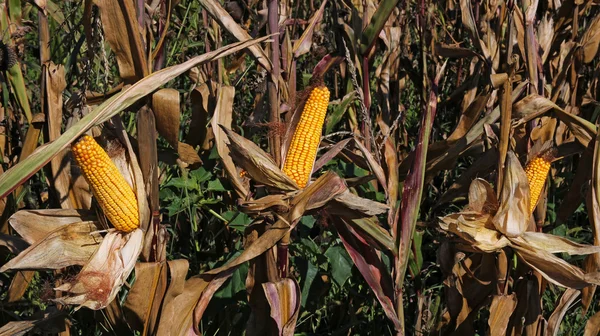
(338, 111)
(17, 82)
(341, 264)
(235, 285)
(200, 175)
(416, 259)
(311, 245)
(309, 277)
(240, 222)
(215, 185)
(183, 183)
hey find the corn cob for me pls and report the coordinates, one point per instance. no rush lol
(301, 155)
(537, 171)
(114, 195)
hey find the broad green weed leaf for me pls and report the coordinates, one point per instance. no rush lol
(341, 264)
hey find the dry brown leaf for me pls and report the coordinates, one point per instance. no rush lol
(303, 44)
(284, 298)
(102, 277)
(145, 296)
(591, 39)
(122, 32)
(201, 100)
(566, 300)
(355, 206)
(259, 166)
(223, 117)
(207, 295)
(34, 225)
(554, 244)
(469, 117)
(330, 154)
(545, 34)
(19, 285)
(189, 155)
(373, 165)
(592, 326)
(55, 84)
(277, 203)
(228, 23)
(556, 270)
(71, 244)
(500, 312)
(590, 265)
(482, 197)
(176, 314)
(512, 217)
(475, 228)
(166, 107)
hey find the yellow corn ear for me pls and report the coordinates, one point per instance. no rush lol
(537, 171)
(301, 155)
(114, 195)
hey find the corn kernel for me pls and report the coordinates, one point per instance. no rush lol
(537, 170)
(305, 142)
(115, 197)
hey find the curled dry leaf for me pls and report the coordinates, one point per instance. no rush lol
(71, 244)
(247, 155)
(284, 298)
(303, 44)
(228, 23)
(500, 312)
(554, 244)
(482, 197)
(534, 106)
(223, 116)
(102, 277)
(554, 269)
(475, 228)
(590, 40)
(142, 304)
(165, 104)
(592, 325)
(566, 301)
(277, 203)
(513, 215)
(360, 207)
(34, 225)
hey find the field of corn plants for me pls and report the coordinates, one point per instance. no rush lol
(291, 167)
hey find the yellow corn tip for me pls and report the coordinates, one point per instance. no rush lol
(537, 170)
(115, 196)
(305, 142)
